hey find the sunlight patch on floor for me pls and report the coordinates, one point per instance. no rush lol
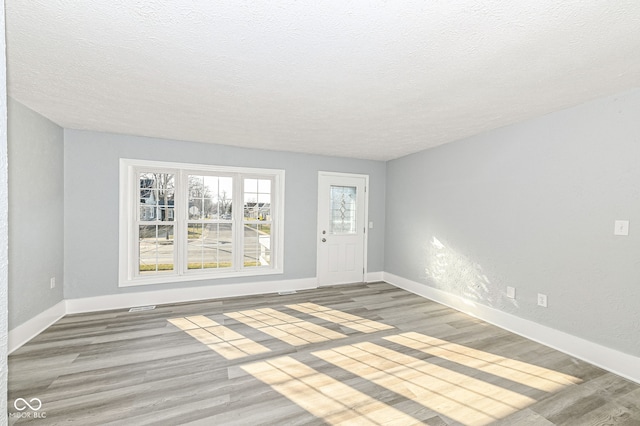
(344, 319)
(221, 339)
(458, 396)
(517, 371)
(463, 391)
(324, 396)
(292, 330)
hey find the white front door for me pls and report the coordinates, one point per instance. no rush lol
(342, 216)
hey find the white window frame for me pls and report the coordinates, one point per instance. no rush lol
(128, 247)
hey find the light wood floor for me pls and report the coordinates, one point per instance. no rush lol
(359, 354)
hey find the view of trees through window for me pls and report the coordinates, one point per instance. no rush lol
(156, 248)
(210, 222)
(202, 210)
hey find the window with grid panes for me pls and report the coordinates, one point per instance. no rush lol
(181, 222)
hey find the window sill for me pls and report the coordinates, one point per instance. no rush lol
(195, 276)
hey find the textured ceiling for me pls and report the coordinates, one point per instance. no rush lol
(365, 79)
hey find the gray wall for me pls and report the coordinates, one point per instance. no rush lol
(4, 205)
(36, 213)
(91, 205)
(531, 206)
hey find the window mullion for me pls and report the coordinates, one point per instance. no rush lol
(238, 215)
(180, 231)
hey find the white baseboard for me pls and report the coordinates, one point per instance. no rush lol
(620, 363)
(21, 334)
(27, 331)
(373, 277)
(187, 294)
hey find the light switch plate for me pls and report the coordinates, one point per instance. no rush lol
(511, 292)
(621, 227)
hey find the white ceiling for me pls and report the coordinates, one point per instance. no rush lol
(365, 79)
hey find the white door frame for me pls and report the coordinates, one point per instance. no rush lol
(319, 225)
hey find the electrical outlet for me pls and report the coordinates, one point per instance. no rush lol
(542, 300)
(621, 227)
(53, 282)
(511, 292)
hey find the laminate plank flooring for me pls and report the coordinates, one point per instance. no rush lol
(356, 354)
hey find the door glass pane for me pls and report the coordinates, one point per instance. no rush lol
(156, 194)
(342, 217)
(155, 249)
(209, 245)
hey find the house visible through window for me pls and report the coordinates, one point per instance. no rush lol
(182, 222)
